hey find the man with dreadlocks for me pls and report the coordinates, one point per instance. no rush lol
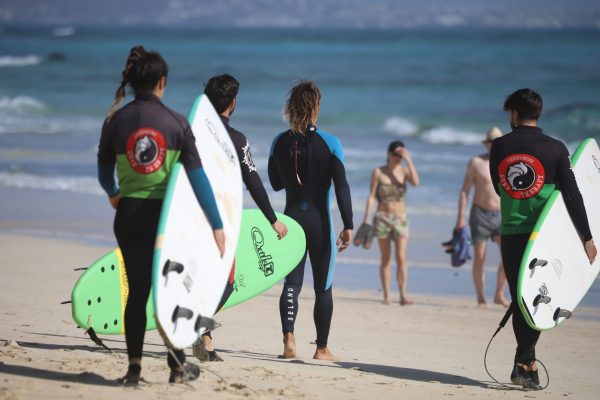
(304, 160)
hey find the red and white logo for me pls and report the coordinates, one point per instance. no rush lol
(521, 176)
(146, 150)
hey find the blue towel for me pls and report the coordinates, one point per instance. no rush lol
(459, 246)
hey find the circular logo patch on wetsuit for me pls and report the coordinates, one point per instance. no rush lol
(146, 150)
(521, 176)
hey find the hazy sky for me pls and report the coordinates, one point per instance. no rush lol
(305, 13)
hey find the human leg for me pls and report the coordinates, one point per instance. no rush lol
(402, 272)
(135, 227)
(385, 273)
(499, 297)
(512, 248)
(288, 307)
(134, 221)
(479, 251)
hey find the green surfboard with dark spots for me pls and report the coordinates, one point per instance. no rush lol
(99, 297)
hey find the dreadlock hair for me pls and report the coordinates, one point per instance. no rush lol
(302, 106)
(142, 72)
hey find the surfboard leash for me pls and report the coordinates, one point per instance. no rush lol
(501, 325)
(92, 334)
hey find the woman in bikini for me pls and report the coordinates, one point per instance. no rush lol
(388, 186)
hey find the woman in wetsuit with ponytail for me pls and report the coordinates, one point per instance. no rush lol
(144, 139)
(304, 160)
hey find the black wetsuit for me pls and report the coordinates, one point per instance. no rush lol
(526, 166)
(144, 139)
(305, 165)
(254, 185)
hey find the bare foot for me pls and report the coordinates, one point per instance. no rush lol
(208, 343)
(406, 302)
(482, 304)
(289, 346)
(323, 353)
(387, 302)
(501, 300)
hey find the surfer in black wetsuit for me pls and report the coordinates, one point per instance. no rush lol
(222, 92)
(144, 139)
(303, 161)
(526, 166)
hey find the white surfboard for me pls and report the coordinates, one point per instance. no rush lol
(189, 275)
(555, 272)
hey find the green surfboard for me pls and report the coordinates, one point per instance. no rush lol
(98, 298)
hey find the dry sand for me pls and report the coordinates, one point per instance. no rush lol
(431, 350)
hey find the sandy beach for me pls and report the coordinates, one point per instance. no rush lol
(433, 349)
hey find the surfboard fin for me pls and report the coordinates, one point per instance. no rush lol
(181, 312)
(541, 299)
(560, 313)
(204, 322)
(171, 266)
(537, 263)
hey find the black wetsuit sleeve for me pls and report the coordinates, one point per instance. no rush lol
(274, 176)
(106, 162)
(251, 177)
(342, 189)
(106, 154)
(494, 167)
(571, 194)
(189, 157)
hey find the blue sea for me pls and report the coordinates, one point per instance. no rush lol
(438, 90)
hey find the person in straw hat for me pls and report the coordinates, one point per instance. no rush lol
(484, 219)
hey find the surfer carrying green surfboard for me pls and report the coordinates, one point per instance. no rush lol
(526, 166)
(143, 140)
(222, 92)
(304, 161)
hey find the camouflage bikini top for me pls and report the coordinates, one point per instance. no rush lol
(388, 192)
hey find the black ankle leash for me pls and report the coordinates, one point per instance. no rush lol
(503, 322)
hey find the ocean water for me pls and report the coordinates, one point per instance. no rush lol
(437, 90)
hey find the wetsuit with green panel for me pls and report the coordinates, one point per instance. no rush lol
(143, 140)
(526, 166)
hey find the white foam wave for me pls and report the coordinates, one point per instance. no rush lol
(48, 125)
(448, 135)
(75, 184)
(20, 61)
(20, 104)
(400, 126)
(64, 31)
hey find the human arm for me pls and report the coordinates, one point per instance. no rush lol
(250, 175)
(494, 162)
(412, 176)
(371, 196)
(463, 196)
(273, 170)
(201, 186)
(106, 167)
(342, 189)
(573, 199)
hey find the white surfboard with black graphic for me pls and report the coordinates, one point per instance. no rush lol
(189, 275)
(555, 271)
